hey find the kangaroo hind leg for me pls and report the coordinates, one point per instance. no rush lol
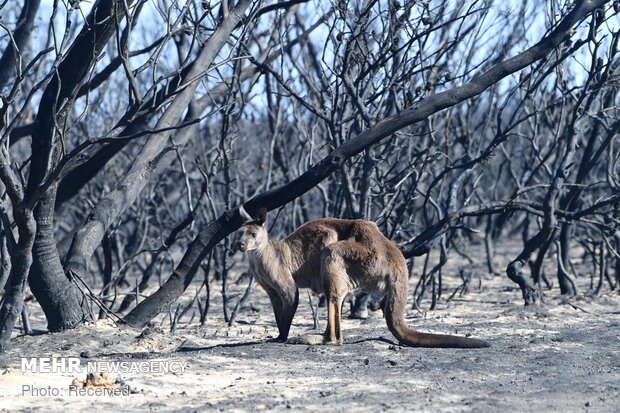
(336, 286)
(333, 332)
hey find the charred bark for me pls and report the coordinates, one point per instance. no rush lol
(61, 301)
(21, 259)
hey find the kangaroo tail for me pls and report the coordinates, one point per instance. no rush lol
(394, 316)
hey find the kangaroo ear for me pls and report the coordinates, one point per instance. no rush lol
(261, 216)
(244, 215)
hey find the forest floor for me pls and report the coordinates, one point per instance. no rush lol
(560, 357)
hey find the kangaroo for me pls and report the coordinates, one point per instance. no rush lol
(332, 257)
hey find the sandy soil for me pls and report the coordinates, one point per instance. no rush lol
(564, 357)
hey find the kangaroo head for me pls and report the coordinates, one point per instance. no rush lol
(254, 234)
(253, 237)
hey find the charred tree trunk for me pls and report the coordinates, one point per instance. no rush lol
(489, 246)
(617, 260)
(59, 298)
(21, 259)
(5, 260)
(565, 279)
(515, 268)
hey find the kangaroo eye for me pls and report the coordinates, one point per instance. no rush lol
(253, 235)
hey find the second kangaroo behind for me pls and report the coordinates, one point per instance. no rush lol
(332, 257)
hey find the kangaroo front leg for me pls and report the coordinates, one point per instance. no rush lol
(278, 308)
(289, 306)
(284, 301)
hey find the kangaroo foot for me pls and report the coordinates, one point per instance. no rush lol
(315, 340)
(329, 342)
(279, 339)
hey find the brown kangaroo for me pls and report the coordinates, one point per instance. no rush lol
(332, 257)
